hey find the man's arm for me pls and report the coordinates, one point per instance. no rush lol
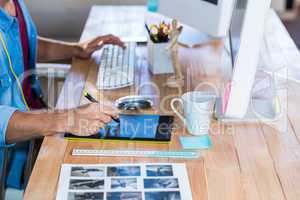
(83, 121)
(24, 126)
(53, 50)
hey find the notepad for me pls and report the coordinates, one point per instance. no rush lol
(199, 142)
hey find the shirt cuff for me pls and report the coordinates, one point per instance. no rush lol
(5, 114)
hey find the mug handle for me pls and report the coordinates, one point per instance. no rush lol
(175, 110)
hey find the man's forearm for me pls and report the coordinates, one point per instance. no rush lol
(83, 121)
(23, 126)
(53, 50)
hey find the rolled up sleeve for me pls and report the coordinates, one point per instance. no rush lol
(5, 114)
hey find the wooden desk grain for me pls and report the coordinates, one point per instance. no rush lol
(247, 161)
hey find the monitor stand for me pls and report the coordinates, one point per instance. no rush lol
(259, 110)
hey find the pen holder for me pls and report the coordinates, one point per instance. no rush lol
(160, 61)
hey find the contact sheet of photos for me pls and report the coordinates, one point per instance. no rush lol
(157, 181)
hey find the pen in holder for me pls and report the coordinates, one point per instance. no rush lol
(159, 56)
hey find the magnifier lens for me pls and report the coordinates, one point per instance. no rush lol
(133, 103)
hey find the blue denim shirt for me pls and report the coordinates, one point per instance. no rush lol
(10, 95)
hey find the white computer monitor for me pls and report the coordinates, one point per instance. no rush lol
(246, 20)
(247, 31)
(208, 16)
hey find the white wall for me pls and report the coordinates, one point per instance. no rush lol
(66, 18)
(279, 5)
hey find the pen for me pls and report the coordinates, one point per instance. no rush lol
(147, 28)
(93, 100)
(89, 97)
(149, 32)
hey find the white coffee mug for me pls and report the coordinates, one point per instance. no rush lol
(197, 111)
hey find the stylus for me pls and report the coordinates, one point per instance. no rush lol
(93, 100)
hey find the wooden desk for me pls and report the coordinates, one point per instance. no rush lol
(247, 161)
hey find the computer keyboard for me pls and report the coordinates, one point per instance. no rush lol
(116, 69)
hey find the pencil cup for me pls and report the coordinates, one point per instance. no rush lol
(159, 57)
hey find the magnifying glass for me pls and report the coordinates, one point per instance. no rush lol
(134, 103)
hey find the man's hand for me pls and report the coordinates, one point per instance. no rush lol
(83, 121)
(86, 49)
(87, 120)
(53, 50)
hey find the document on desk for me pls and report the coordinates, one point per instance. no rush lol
(150, 181)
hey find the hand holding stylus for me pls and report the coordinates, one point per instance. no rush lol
(93, 100)
(88, 119)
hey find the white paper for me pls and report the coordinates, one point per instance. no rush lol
(149, 181)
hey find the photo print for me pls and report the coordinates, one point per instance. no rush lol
(124, 196)
(124, 171)
(144, 181)
(159, 170)
(87, 171)
(161, 183)
(172, 195)
(86, 184)
(86, 196)
(124, 183)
